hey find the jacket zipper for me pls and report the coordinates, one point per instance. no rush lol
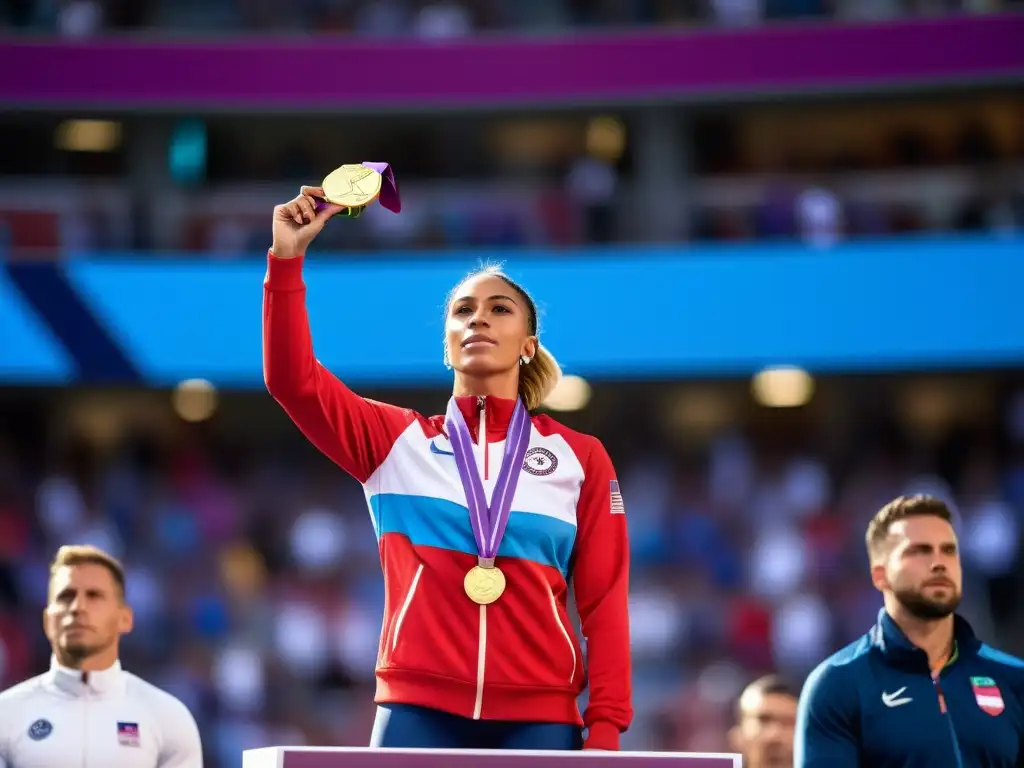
(481, 657)
(405, 606)
(85, 730)
(481, 436)
(944, 709)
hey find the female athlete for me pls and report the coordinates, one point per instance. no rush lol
(483, 518)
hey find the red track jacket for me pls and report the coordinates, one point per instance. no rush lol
(518, 658)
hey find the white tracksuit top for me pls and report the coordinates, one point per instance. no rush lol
(109, 719)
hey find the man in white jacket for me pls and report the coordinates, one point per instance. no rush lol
(86, 712)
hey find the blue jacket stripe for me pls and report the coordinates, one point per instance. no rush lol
(429, 522)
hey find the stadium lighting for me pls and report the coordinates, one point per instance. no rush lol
(782, 387)
(194, 400)
(88, 136)
(572, 393)
(606, 138)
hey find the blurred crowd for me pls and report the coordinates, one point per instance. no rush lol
(447, 19)
(910, 177)
(820, 210)
(961, 176)
(253, 568)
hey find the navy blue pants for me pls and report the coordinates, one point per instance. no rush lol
(403, 725)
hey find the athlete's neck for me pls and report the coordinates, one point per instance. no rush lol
(96, 662)
(504, 385)
(933, 636)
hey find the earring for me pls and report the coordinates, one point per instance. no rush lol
(524, 360)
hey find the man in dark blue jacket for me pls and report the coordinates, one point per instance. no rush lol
(919, 690)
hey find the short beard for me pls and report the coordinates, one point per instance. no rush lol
(924, 609)
(73, 655)
(774, 758)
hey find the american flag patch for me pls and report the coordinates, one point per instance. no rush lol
(128, 735)
(618, 508)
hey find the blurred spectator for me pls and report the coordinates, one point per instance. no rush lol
(819, 216)
(442, 20)
(765, 723)
(591, 185)
(79, 18)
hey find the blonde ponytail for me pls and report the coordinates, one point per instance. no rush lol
(538, 378)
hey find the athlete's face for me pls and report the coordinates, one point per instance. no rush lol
(764, 733)
(923, 567)
(86, 614)
(488, 327)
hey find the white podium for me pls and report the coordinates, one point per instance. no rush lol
(364, 757)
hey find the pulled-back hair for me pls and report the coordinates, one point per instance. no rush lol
(538, 377)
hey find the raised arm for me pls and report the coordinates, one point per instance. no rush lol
(352, 431)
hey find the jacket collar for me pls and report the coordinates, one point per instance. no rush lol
(897, 649)
(79, 683)
(499, 414)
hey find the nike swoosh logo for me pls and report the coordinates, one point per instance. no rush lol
(893, 699)
(438, 451)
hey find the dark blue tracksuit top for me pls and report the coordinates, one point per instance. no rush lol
(874, 705)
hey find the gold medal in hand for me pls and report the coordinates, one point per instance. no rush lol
(352, 185)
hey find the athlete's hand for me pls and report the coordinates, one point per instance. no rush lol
(297, 222)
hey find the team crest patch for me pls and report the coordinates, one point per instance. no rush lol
(128, 735)
(988, 695)
(40, 729)
(540, 462)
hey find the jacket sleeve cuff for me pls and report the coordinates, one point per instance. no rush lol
(602, 735)
(284, 274)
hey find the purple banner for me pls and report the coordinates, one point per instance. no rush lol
(347, 73)
(319, 757)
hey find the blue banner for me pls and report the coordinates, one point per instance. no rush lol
(625, 313)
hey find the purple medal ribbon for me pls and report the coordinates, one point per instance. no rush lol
(489, 520)
(389, 196)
